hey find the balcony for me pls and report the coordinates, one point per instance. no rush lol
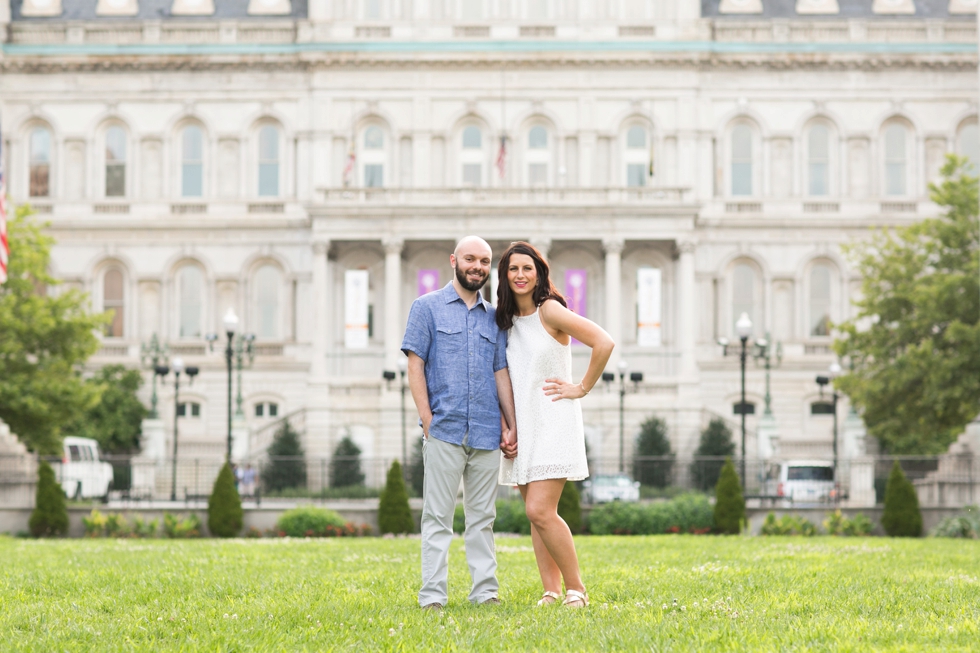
(645, 195)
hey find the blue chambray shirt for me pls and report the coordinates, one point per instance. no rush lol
(462, 348)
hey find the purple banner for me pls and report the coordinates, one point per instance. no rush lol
(575, 293)
(428, 281)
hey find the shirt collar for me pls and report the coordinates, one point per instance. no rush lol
(450, 295)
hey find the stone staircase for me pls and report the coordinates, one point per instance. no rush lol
(18, 471)
(956, 483)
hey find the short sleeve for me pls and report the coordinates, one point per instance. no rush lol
(418, 333)
(500, 354)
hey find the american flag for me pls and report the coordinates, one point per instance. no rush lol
(502, 157)
(351, 160)
(4, 245)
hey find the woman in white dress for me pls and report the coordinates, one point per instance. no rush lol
(550, 433)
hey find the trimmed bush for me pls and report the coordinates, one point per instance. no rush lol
(309, 521)
(715, 444)
(225, 514)
(511, 517)
(286, 467)
(394, 515)
(94, 524)
(345, 466)
(653, 442)
(50, 515)
(570, 507)
(416, 469)
(729, 504)
(688, 513)
(901, 517)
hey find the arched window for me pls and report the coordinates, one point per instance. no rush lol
(471, 156)
(267, 302)
(637, 156)
(190, 289)
(40, 162)
(115, 162)
(742, 160)
(112, 300)
(820, 299)
(538, 156)
(968, 145)
(895, 160)
(818, 164)
(374, 157)
(192, 162)
(268, 161)
(743, 293)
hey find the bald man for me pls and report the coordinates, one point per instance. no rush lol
(457, 372)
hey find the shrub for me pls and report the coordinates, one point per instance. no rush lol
(308, 521)
(729, 504)
(966, 525)
(788, 525)
(837, 523)
(286, 467)
(50, 515)
(225, 514)
(688, 513)
(859, 526)
(511, 517)
(459, 519)
(570, 507)
(394, 515)
(653, 442)
(143, 528)
(94, 524)
(116, 525)
(901, 517)
(416, 469)
(176, 528)
(345, 466)
(716, 443)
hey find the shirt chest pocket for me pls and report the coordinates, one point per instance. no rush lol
(487, 345)
(450, 338)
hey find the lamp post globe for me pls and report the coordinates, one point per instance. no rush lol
(743, 327)
(178, 365)
(230, 322)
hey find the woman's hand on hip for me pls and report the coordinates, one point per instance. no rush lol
(558, 389)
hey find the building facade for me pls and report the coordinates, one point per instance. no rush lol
(309, 164)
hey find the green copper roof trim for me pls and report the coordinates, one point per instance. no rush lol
(21, 49)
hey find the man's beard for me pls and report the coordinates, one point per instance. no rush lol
(472, 286)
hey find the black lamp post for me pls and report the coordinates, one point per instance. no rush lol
(743, 330)
(155, 355)
(230, 323)
(162, 371)
(390, 376)
(832, 373)
(636, 378)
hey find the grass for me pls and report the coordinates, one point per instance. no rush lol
(658, 593)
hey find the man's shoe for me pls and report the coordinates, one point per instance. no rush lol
(432, 606)
(491, 601)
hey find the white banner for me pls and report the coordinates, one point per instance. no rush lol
(648, 288)
(356, 309)
(494, 283)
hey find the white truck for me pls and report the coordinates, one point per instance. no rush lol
(82, 472)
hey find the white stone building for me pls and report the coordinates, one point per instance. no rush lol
(196, 156)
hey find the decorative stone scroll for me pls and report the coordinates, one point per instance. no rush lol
(41, 8)
(740, 7)
(893, 7)
(117, 8)
(269, 7)
(192, 8)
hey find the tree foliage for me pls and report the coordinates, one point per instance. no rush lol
(44, 338)
(915, 342)
(716, 443)
(729, 502)
(653, 442)
(287, 467)
(50, 515)
(394, 515)
(225, 515)
(345, 466)
(115, 421)
(901, 517)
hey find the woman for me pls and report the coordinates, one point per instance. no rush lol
(550, 433)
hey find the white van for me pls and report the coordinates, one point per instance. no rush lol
(82, 472)
(804, 481)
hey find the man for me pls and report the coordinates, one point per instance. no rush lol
(457, 372)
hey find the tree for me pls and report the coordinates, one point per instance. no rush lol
(653, 442)
(286, 467)
(901, 517)
(729, 502)
(50, 515)
(225, 514)
(915, 341)
(394, 515)
(416, 469)
(44, 338)
(570, 507)
(345, 466)
(716, 443)
(115, 421)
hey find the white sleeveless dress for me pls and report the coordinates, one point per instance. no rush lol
(550, 434)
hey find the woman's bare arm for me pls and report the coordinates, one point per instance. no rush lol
(563, 321)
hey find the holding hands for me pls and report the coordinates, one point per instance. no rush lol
(508, 440)
(558, 389)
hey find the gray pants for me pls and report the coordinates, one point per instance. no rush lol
(445, 464)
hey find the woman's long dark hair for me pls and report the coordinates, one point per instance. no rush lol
(543, 290)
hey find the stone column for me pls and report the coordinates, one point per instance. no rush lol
(687, 307)
(321, 294)
(393, 294)
(613, 324)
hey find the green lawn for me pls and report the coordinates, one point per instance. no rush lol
(673, 592)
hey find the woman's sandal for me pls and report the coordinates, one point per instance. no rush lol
(576, 599)
(549, 595)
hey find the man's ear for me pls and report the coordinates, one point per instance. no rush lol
(452, 261)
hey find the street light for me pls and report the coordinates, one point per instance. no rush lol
(764, 351)
(162, 371)
(636, 378)
(390, 376)
(743, 330)
(154, 355)
(832, 373)
(230, 323)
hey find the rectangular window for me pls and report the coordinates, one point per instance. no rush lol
(472, 174)
(818, 178)
(373, 175)
(259, 410)
(372, 9)
(537, 174)
(269, 179)
(636, 174)
(273, 410)
(115, 179)
(895, 178)
(181, 410)
(192, 180)
(741, 178)
(74, 453)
